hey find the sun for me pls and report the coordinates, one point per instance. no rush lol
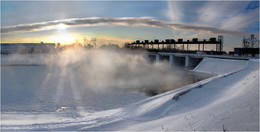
(63, 38)
(61, 26)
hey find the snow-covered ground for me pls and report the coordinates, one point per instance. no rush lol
(229, 100)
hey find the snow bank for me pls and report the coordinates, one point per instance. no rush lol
(230, 102)
(219, 66)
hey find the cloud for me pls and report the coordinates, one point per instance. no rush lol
(229, 15)
(214, 12)
(206, 28)
(240, 21)
(175, 11)
(125, 21)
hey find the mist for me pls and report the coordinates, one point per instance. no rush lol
(101, 70)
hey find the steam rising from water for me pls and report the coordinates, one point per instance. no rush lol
(104, 69)
(101, 70)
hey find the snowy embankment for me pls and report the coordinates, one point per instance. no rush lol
(229, 100)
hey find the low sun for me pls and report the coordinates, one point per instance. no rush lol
(62, 26)
(63, 38)
(62, 35)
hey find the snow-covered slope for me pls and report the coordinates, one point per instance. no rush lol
(220, 66)
(230, 101)
(227, 101)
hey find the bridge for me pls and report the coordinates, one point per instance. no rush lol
(188, 60)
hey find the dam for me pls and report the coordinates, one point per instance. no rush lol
(189, 53)
(186, 60)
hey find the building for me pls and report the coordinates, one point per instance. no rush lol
(25, 48)
(254, 52)
(250, 47)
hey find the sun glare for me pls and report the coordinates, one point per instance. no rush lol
(63, 38)
(62, 26)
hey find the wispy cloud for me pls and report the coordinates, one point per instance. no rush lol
(215, 15)
(240, 21)
(214, 12)
(229, 15)
(175, 11)
(125, 21)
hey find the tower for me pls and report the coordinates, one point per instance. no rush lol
(220, 46)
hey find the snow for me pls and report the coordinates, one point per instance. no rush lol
(230, 99)
(220, 66)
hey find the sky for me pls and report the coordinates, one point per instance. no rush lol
(118, 22)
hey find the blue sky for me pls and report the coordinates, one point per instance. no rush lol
(29, 12)
(232, 19)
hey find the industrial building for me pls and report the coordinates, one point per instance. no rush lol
(27, 48)
(250, 47)
(175, 46)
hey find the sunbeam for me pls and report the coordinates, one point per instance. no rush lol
(60, 88)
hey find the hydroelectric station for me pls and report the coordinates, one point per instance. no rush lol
(187, 53)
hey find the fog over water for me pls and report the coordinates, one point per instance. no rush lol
(83, 79)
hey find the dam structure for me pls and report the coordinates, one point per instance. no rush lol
(183, 53)
(171, 45)
(186, 60)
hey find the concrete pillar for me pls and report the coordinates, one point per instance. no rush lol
(158, 57)
(171, 61)
(187, 61)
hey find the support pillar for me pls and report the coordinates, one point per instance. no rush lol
(158, 57)
(187, 61)
(171, 61)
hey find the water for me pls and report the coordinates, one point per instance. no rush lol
(36, 89)
(83, 80)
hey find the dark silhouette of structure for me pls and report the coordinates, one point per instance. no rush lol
(171, 45)
(250, 47)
